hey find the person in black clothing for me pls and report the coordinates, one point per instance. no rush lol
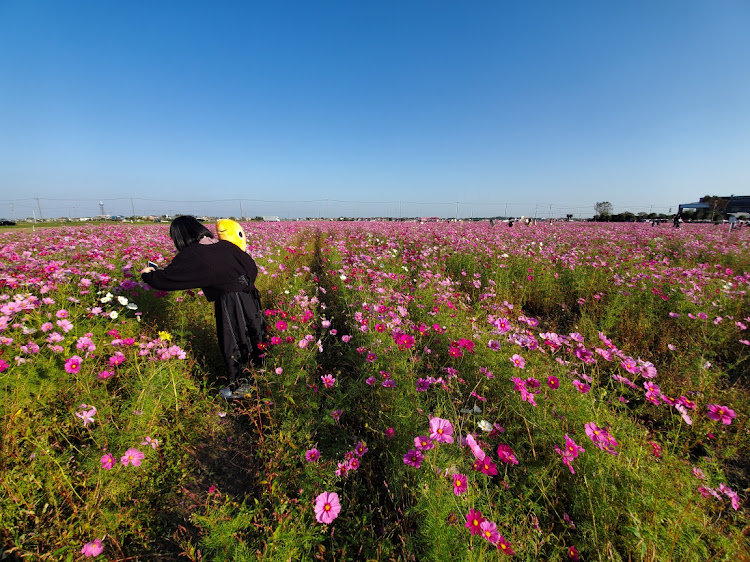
(226, 275)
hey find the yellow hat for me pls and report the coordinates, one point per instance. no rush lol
(230, 230)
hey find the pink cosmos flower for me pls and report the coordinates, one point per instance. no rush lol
(518, 361)
(73, 365)
(327, 507)
(148, 441)
(86, 413)
(630, 365)
(93, 548)
(108, 461)
(474, 521)
(460, 484)
(488, 530)
(360, 448)
(328, 380)
(476, 450)
(423, 443)
(441, 430)
(312, 455)
(132, 456)
(117, 359)
(106, 374)
(720, 413)
(553, 382)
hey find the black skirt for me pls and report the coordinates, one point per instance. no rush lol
(240, 328)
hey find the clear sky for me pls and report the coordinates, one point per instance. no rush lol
(359, 107)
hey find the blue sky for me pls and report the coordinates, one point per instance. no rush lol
(412, 108)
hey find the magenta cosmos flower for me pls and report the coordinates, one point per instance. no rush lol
(441, 430)
(720, 413)
(73, 365)
(413, 458)
(312, 455)
(93, 548)
(327, 507)
(506, 454)
(132, 456)
(460, 484)
(474, 521)
(504, 546)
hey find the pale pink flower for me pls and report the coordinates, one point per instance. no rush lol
(93, 548)
(441, 430)
(327, 507)
(132, 456)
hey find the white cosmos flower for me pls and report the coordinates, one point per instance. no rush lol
(484, 425)
(113, 315)
(106, 298)
(122, 300)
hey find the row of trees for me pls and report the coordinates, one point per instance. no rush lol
(603, 211)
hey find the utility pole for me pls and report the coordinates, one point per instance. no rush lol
(13, 210)
(550, 212)
(456, 210)
(39, 206)
(132, 207)
(242, 213)
(506, 210)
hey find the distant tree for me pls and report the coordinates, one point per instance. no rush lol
(603, 209)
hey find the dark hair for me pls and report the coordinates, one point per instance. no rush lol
(186, 230)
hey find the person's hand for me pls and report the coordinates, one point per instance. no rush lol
(147, 269)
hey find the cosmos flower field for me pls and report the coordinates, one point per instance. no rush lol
(441, 391)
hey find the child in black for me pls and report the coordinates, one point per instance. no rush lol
(226, 275)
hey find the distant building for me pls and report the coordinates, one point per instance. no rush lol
(271, 219)
(738, 204)
(724, 204)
